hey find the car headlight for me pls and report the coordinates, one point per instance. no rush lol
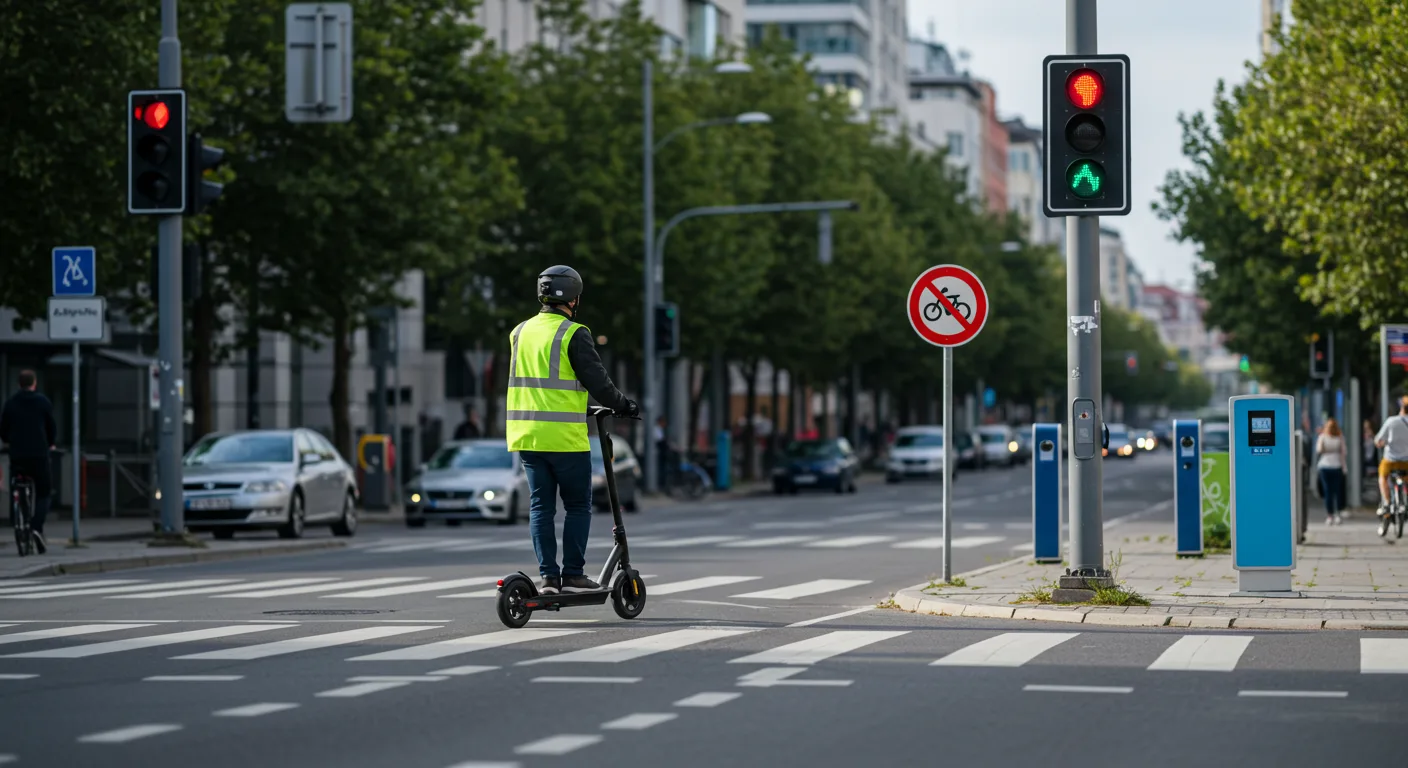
(1012, 447)
(265, 486)
(1139, 442)
(491, 494)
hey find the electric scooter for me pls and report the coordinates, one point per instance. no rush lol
(518, 596)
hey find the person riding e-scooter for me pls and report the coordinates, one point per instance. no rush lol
(553, 367)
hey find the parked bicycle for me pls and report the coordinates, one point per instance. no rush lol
(936, 309)
(22, 512)
(687, 481)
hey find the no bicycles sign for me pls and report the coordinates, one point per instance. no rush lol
(947, 306)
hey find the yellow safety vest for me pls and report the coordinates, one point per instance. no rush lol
(547, 405)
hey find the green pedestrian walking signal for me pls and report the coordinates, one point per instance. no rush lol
(1085, 178)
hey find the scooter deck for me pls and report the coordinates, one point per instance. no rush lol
(566, 600)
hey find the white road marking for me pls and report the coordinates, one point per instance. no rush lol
(255, 710)
(774, 541)
(636, 648)
(361, 689)
(150, 641)
(1079, 688)
(409, 589)
(458, 645)
(468, 669)
(192, 678)
(115, 590)
(1383, 656)
(486, 764)
(587, 679)
(846, 542)
(1028, 547)
(864, 517)
(219, 590)
(17, 676)
(1009, 649)
(1204, 653)
(491, 592)
(639, 721)
(974, 526)
(398, 679)
(419, 545)
(706, 582)
(707, 699)
(557, 745)
(958, 542)
(840, 615)
(772, 677)
(81, 629)
(8, 759)
(815, 649)
(1294, 694)
(693, 541)
(294, 645)
(805, 589)
(130, 733)
(62, 585)
(326, 587)
(724, 604)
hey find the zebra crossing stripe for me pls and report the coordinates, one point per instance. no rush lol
(408, 589)
(775, 541)
(1203, 653)
(959, 542)
(706, 582)
(63, 586)
(418, 545)
(1379, 656)
(458, 645)
(82, 629)
(626, 650)
(1009, 649)
(851, 541)
(805, 589)
(815, 649)
(311, 642)
(326, 587)
(220, 590)
(150, 641)
(694, 541)
(114, 590)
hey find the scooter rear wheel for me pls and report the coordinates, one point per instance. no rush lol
(628, 598)
(510, 604)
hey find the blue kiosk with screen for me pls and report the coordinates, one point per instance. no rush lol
(1263, 492)
(1046, 493)
(1188, 486)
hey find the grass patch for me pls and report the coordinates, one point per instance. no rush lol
(1037, 593)
(1118, 595)
(958, 582)
(1217, 537)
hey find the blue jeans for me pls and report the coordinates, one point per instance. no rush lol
(1331, 481)
(551, 473)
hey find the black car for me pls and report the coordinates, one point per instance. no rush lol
(830, 464)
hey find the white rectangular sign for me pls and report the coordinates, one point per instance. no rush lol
(318, 63)
(75, 319)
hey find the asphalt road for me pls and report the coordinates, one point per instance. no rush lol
(759, 645)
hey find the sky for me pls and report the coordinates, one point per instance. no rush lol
(1178, 50)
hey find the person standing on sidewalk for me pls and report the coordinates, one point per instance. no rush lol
(1330, 448)
(27, 427)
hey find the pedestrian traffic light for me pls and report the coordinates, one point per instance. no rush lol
(202, 158)
(1322, 355)
(1245, 366)
(667, 330)
(1131, 363)
(156, 152)
(1086, 134)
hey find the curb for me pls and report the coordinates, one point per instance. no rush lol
(204, 556)
(915, 601)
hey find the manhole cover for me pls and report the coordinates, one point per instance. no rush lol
(331, 612)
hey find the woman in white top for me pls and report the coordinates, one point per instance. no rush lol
(1330, 448)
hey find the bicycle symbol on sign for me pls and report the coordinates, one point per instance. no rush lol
(73, 271)
(935, 310)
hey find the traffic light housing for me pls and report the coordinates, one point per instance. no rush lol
(1322, 355)
(1086, 135)
(156, 152)
(202, 157)
(667, 330)
(1131, 363)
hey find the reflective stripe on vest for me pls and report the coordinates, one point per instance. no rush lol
(547, 405)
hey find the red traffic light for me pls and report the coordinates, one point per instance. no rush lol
(155, 115)
(1085, 88)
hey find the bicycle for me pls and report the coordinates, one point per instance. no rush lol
(935, 310)
(1397, 513)
(688, 481)
(22, 512)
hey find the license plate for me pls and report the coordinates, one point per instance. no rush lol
(449, 504)
(209, 503)
(804, 479)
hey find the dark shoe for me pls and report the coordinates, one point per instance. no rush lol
(550, 585)
(40, 545)
(579, 584)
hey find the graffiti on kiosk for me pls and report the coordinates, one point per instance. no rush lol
(1217, 488)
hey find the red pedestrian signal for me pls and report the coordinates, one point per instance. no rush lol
(1085, 88)
(156, 152)
(155, 115)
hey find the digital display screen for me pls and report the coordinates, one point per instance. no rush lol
(1261, 424)
(1262, 429)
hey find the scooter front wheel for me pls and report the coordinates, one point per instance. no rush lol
(510, 606)
(628, 598)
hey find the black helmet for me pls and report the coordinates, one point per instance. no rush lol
(559, 285)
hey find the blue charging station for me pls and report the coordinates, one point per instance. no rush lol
(1188, 486)
(724, 455)
(1046, 493)
(1263, 506)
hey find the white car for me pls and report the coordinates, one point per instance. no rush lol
(468, 480)
(917, 452)
(1000, 444)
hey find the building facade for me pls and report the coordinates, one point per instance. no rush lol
(1024, 185)
(691, 27)
(947, 110)
(1115, 273)
(1275, 14)
(1179, 317)
(994, 154)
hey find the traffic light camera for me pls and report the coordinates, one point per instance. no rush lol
(1086, 133)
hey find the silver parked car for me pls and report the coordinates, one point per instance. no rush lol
(468, 480)
(283, 479)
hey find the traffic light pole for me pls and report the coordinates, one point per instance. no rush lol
(1083, 355)
(172, 356)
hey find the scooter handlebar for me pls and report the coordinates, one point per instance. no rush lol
(599, 411)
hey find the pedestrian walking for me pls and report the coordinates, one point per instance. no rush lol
(1330, 448)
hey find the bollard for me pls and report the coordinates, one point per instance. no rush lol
(1046, 493)
(1188, 487)
(723, 456)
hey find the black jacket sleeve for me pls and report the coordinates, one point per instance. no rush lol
(581, 351)
(50, 427)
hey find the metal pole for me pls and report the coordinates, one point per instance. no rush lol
(649, 388)
(948, 464)
(112, 483)
(402, 454)
(172, 356)
(77, 452)
(1383, 374)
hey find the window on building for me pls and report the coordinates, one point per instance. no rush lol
(920, 129)
(865, 4)
(701, 28)
(955, 144)
(819, 38)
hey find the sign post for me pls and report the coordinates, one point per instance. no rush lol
(947, 307)
(1393, 350)
(76, 314)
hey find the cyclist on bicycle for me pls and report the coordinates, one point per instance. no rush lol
(27, 427)
(1393, 441)
(553, 366)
